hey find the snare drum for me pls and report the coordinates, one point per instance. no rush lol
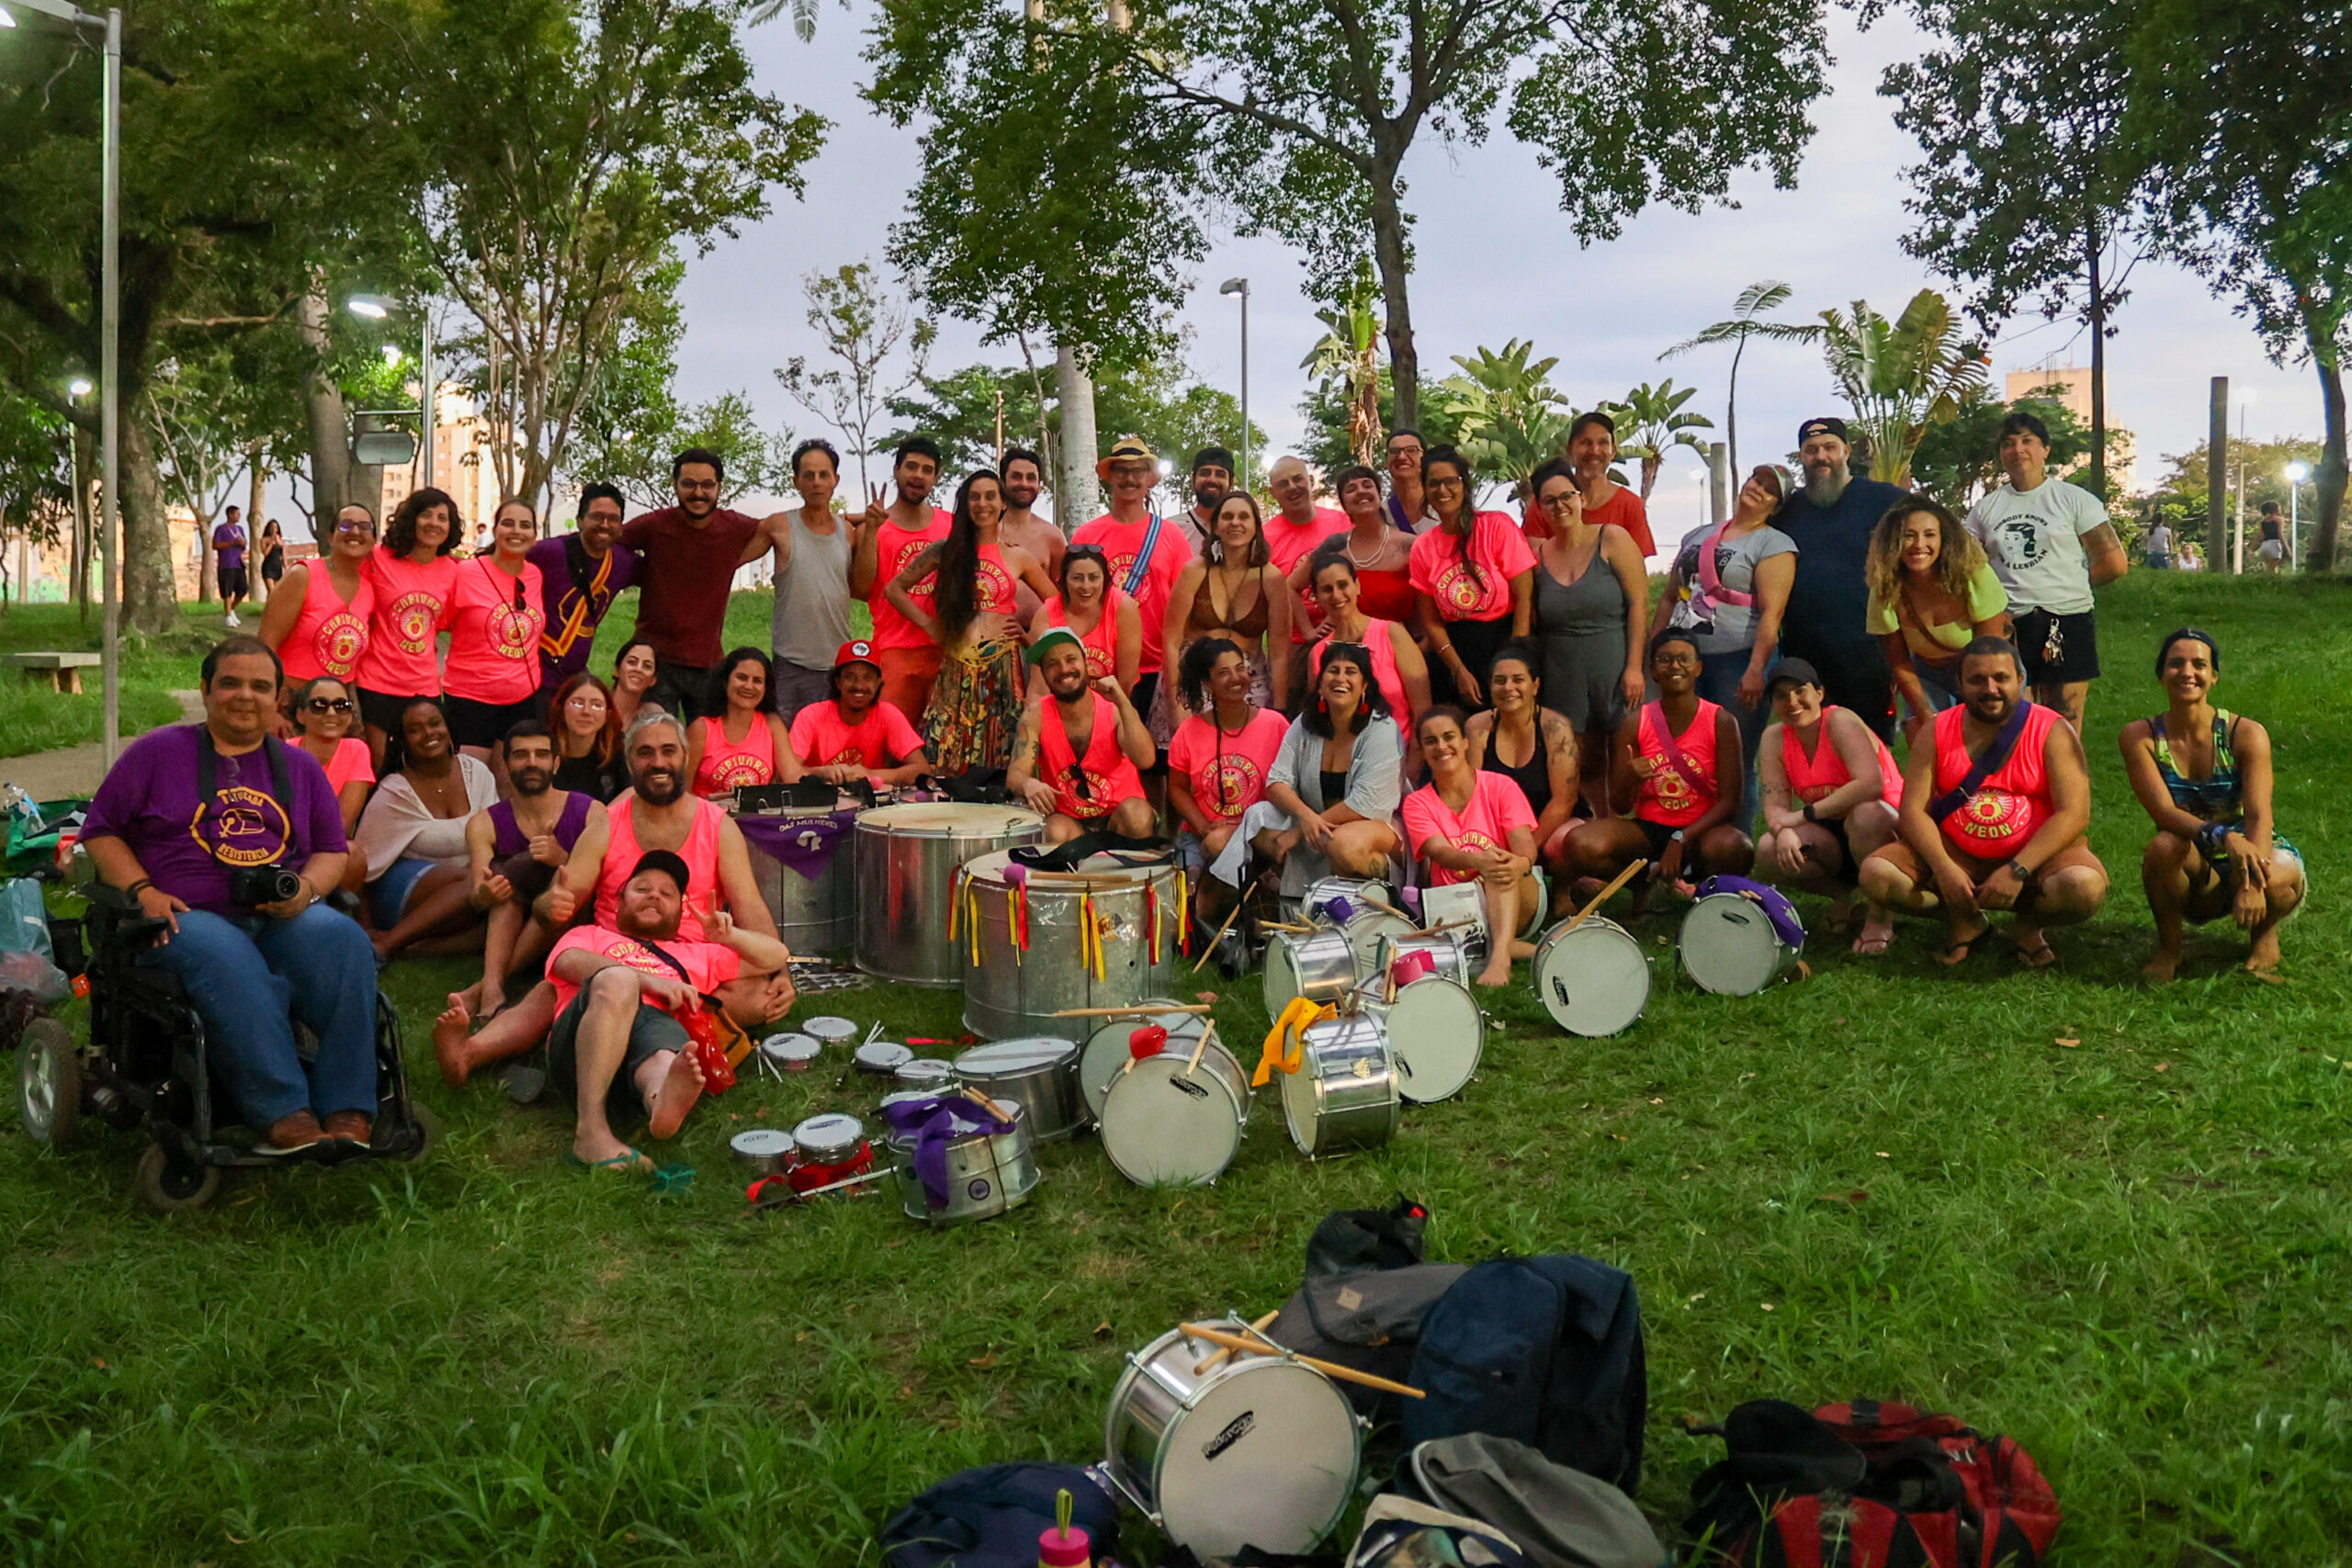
(925, 1075)
(1256, 1450)
(1344, 1095)
(1436, 1030)
(1365, 931)
(1016, 980)
(1734, 944)
(1593, 978)
(1167, 1123)
(906, 857)
(1459, 907)
(764, 1147)
(881, 1058)
(1040, 1073)
(1321, 965)
(987, 1173)
(1448, 951)
(1107, 1050)
(1313, 905)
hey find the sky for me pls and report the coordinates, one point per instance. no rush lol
(1496, 259)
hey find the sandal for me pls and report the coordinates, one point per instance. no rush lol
(1963, 948)
(2041, 955)
(1873, 944)
(628, 1160)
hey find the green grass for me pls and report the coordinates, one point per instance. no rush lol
(34, 718)
(1888, 1180)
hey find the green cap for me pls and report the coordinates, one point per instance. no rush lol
(1053, 638)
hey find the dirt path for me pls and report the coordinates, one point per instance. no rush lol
(73, 771)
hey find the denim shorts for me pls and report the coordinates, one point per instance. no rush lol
(388, 895)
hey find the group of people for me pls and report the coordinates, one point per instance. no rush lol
(230, 572)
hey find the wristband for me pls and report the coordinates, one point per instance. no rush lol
(136, 888)
(2025, 878)
(1808, 813)
(2214, 840)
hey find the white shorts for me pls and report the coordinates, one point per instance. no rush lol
(2272, 550)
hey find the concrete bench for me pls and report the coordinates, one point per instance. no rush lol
(63, 670)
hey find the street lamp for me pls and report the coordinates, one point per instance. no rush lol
(1241, 285)
(2296, 474)
(369, 306)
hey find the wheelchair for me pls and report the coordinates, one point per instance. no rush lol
(147, 1064)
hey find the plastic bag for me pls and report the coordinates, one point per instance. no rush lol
(24, 919)
(32, 973)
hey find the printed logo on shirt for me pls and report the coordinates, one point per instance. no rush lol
(922, 590)
(1231, 781)
(1122, 562)
(1457, 590)
(513, 633)
(412, 616)
(735, 772)
(244, 827)
(853, 754)
(1098, 800)
(994, 589)
(1991, 814)
(1667, 785)
(341, 639)
(1476, 842)
(2018, 542)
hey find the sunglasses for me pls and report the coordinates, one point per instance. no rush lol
(329, 705)
(1077, 781)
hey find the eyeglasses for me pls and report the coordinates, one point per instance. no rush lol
(583, 705)
(698, 486)
(355, 525)
(1449, 484)
(1565, 502)
(329, 705)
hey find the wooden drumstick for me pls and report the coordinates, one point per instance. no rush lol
(1200, 1045)
(1220, 1358)
(1605, 895)
(1134, 1012)
(1382, 905)
(1260, 1347)
(1286, 926)
(1231, 915)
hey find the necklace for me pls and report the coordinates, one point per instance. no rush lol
(1378, 549)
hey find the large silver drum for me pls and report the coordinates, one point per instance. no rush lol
(1320, 964)
(1169, 1122)
(1040, 1073)
(1015, 984)
(1437, 1032)
(1732, 945)
(1258, 1451)
(1111, 1048)
(813, 914)
(1344, 1095)
(1593, 978)
(905, 858)
(987, 1173)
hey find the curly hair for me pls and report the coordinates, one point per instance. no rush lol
(1958, 559)
(400, 533)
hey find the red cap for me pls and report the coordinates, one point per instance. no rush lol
(1065, 1548)
(1147, 1039)
(857, 650)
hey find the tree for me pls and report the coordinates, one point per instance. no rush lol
(1307, 109)
(2242, 111)
(36, 483)
(2023, 197)
(1746, 320)
(1899, 377)
(199, 417)
(1508, 417)
(572, 145)
(1651, 422)
(863, 329)
(1960, 459)
(1346, 359)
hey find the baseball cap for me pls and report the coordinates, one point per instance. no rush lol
(857, 650)
(1791, 672)
(667, 862)
(1051, 638)
(1827, 424)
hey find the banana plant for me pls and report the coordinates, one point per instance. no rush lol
(1349, 353)
(1900, 377)
(1651, 422)
(1508, 417)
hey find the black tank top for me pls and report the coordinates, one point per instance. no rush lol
(1534, 777)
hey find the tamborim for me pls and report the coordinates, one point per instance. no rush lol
(1344, 1095)
(906, 856)
(1040, 1073)
(1593, 978)
(1167, 1123)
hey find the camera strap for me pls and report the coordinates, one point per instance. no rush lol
(208, 776)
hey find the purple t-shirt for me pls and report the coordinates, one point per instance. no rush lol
(229, 547)
(577, 591)
(149, 802)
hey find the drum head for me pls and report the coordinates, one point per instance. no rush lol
(760, 1144)
(1002, 1058)
(1595, 979)
(831, 1031)
(1436, 1030)
(1265, 1457)
(1364, 932)
(949, 820)
(1729, 946)
(882, 1057)
(1163, 1127)
(828, 1136)
(1107, 1050)
(1096, 874)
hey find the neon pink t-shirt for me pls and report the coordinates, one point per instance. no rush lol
(1438, 568)
(412, 606)
(883, 739)
(494, 625)
(708, 964)
(1228, 772)
(1496, 805)
(894, 546)
(1121, 543)
(1289, 543)
(350, 764)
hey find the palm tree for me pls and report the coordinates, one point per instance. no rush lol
(1508, 417)
(1899, 376)
(1349, 353)
(1746, 320)
(1651, 422)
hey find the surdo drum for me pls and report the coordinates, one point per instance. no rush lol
(1035, 943)
(1593, 978)
(1344, 1095)
(1168, 1123)
(815, 914)
(1108, 1049)
(905, 858)
(1039, 1073)
(1736, 944)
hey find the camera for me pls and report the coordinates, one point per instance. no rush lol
(252, 885)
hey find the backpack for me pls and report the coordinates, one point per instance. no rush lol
(1868, 1484)
(1557, 1517)
(1350, 1239)
(1400, 1533)
(1547, 1352)
(1368, 1321)
(991, 1518)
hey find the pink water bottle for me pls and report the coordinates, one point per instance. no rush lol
(1063, 1546)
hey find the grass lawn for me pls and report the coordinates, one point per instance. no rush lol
(35, 718)
(2109, 1221)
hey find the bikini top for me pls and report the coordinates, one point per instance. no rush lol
(2211, 799)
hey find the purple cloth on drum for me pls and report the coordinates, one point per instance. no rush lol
(937, 1123)
(805, 843)
(1772, 900)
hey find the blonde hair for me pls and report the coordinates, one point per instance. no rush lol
(1959, 558)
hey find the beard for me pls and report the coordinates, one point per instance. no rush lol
(1209, 497)
(530, 781)
(1020, 498)
(1068, 696)
(658, 786)
(1823, 485)
(1990, 710)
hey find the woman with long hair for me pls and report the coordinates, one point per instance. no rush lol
(1526, 742)
(635, 668)
(325, 716)
(1220, 758)
(2204, 776)
(1398, 669)
(739, 740)
(420, 885)
(1592, 591)
(1104, 618)
(1932, 594)
(977, 701)
(1468, 824)
(1474, 576)
(496, 614)
(1233, 590)
(414, 574)
(317, 616)
(587, 737)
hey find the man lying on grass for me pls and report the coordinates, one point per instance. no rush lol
(618, 1044)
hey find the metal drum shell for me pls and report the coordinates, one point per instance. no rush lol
(1320, 965)
(1598, 1012)
(812, 915)
(987, 1173)
(1345, 1094)
(1297, 1460)
(1738, 951)
(766, 1148)
(1009, 993)
(1107, 1050)
(1449, 950)
(1040, 1073)
(1355, 889)
(905, 858)
(829, 1138)
(1218, 1080)
(1444, 1072)
(1365, 931)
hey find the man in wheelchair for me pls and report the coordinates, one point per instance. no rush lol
(229, 838)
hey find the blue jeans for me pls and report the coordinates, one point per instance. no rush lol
(250, 976)
(1719, 676)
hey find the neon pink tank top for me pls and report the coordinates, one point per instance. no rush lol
(995, 588)
(700, 851)
(1382, 644)
(330, 633)
(729, 765)
(1102, 639)
(1110, 776)
(1666, 796)
(1822, 773)
(1996, 821)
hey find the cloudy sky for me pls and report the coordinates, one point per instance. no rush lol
(1496, 260)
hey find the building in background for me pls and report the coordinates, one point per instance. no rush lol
(2070, 384)
(462, 464)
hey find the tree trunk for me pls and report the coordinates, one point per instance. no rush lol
(1731, 408)
(150, 603)
(329, 424)
(204, 571)
(256, 485)
(1389, 255)
(1076, 499)
(2098, 364)
(2325, 358)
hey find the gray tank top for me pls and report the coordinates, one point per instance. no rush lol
(812, 618)
(1591, 606)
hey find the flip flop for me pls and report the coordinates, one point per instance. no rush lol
(628, 1160)
(1873, 946)
(1962, 949)
(2041, 955)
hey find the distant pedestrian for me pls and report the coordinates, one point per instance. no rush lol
(228, 564)
(273, 559)
(2158, 545)
(2273, 549)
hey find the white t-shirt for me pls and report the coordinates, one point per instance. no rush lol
(2034, 539)
(2160, 540)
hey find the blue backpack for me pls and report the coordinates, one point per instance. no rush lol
(1547, 1352)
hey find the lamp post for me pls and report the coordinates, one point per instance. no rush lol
(2296, 474)
(369, 308)
(1240, 286)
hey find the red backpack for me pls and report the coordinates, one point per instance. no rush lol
(1867, 1485)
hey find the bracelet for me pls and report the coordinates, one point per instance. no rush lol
(136, 888)
(1809, 813)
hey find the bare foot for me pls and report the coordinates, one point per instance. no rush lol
(471, 1000)
(450, 1033)
(382, 942)
(2160, 970)
(681, 1087)
(1495, 975)
(2262, 960)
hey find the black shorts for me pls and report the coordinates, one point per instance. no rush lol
(2077, 636)
(1146, 690)
(1659, 834)
(651, 1033)
(382, 710)
(486, 724)
(232, 581)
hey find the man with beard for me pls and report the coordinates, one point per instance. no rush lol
(619, 1045)
(813, 549)
(1826, 623)
(888, 539)
(1292, 530)
(688, 556)
(580, 575)
(1080, 750)
(1146, 553)
(1212, 482)
(655, 813)
(1996, 815)
(516, 846)
(1022, 476)
(853, 734)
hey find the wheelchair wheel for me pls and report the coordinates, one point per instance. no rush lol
(166, 1186)
(429, 1131)
(48, 1082)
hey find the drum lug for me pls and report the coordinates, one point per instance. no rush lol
(1180, 1395)
(1117, 1483)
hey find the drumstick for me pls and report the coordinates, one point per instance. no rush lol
(1381, 905)
(1198, 1047)
(1219, 1358)
(1231, 915)
(1133, 1011)
(1285, 925)
(1606, 894)
(1328, 1368)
